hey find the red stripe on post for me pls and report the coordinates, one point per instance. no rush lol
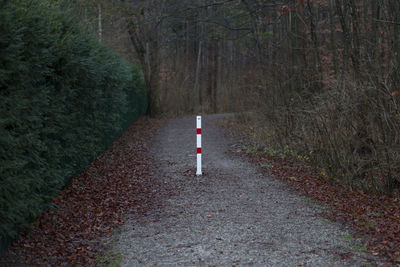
(199, 150)
(198, 130)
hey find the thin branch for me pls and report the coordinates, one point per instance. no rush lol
(387, 21)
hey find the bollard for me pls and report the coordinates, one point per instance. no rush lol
(198, 120)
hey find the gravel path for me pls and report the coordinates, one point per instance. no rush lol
(232, 216)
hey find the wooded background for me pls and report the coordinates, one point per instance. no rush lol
(320, 77)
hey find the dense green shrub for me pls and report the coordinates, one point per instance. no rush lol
(64, 97)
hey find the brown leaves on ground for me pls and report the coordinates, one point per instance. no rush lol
(374, 217)
(117, 183)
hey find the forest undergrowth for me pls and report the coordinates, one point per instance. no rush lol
(350, 130)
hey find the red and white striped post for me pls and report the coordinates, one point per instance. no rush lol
(198, 120)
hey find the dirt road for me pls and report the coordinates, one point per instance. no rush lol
(232, 216)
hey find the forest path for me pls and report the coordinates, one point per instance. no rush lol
(232, 216)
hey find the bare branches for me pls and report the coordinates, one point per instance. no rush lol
(386, 21)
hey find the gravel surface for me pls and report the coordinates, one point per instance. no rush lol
(231, 216)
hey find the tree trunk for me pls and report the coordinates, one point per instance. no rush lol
(100, 28)
(196, 83)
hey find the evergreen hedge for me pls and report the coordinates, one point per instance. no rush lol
(64, 97)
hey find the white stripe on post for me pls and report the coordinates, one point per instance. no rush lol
(198, 120)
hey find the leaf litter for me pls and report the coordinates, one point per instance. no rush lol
(373, 217)
(117, 183)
